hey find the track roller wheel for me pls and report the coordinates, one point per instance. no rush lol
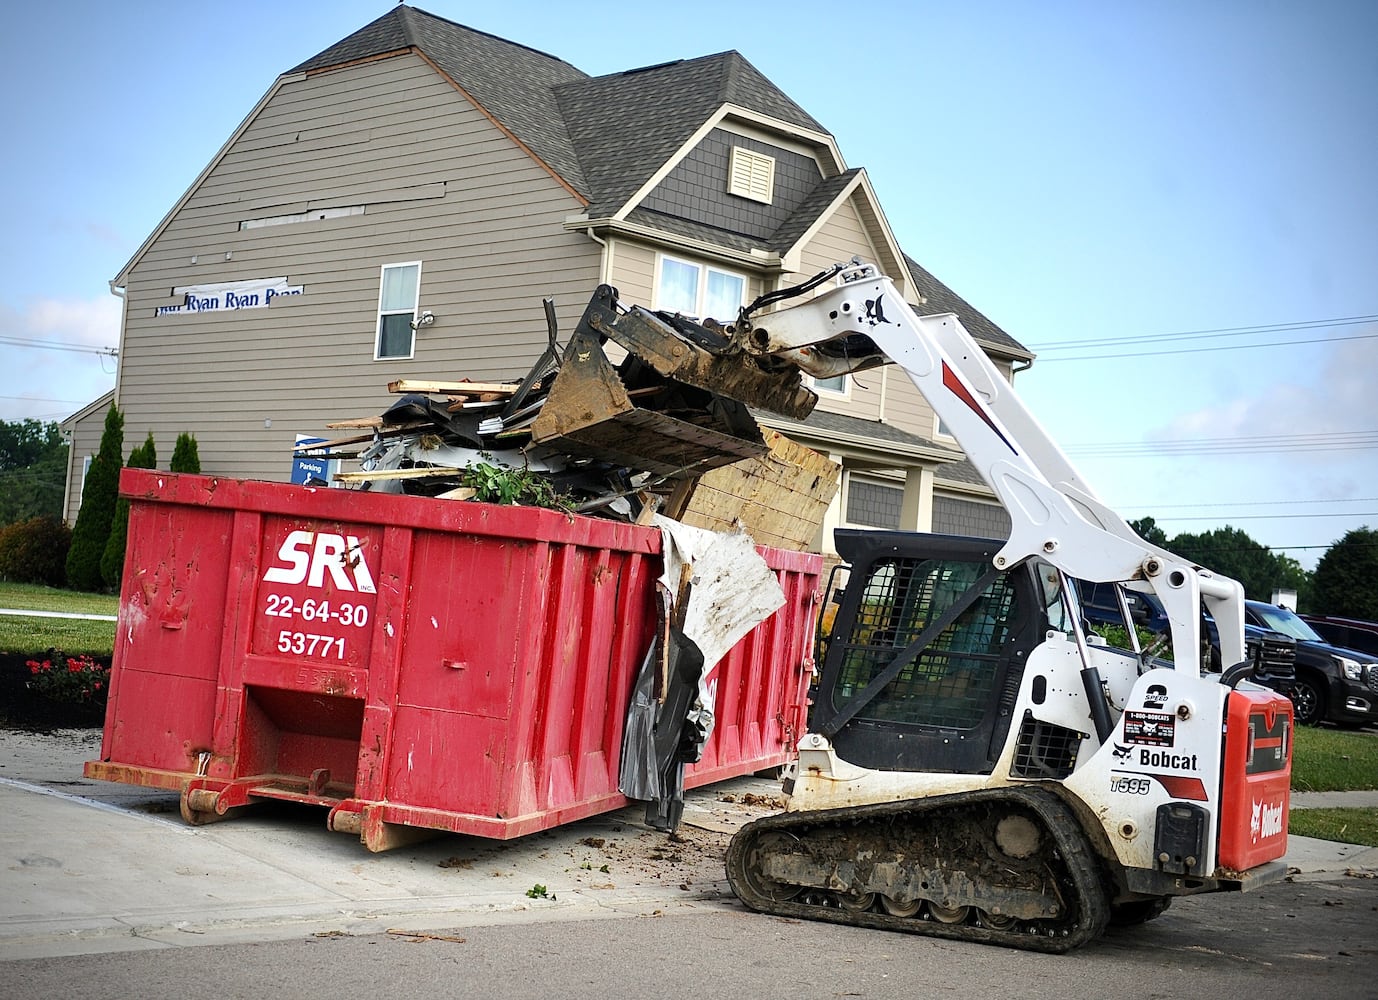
(857, 902)
(897, 909)
(995, 921)
(948, 914)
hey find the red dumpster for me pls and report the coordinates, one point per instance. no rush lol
(407, 662)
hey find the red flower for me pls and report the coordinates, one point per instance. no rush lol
(33, 667)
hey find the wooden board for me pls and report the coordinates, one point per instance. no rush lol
(403, 386)
(779, 499)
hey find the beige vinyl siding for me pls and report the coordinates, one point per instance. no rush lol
(87, 427)
(841, 238)
(633, 271)
(440, 184)
(905, 406)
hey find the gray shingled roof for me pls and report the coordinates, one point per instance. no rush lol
(510, 81)
(625, 126)
(810, 209)
(827, 423)
(942, 299)
(605, 136)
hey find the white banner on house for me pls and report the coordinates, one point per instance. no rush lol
(255, 293)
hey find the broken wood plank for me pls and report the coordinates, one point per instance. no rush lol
(458, 493)
(385, 430)
(356, 423)
(405, 385)
(431, 472)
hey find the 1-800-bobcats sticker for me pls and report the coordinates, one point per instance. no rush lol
(1154, 729)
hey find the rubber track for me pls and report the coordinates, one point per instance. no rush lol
(1092, 910)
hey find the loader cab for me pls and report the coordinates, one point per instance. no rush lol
(926, 651)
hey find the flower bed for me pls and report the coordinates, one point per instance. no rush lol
(52, 691)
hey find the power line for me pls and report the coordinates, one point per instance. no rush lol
(1204, 350)
(44, 399)
(1269, 443)
(54, 345)
(1242, 503)
(1226, 331)
(1264, 517)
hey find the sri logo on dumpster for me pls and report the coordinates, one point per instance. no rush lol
(310, 555)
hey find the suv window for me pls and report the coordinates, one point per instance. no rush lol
(1347, 636)
(1281, 620)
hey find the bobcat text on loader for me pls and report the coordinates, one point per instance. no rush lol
(977, 766)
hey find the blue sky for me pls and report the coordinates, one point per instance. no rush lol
(1081, 172)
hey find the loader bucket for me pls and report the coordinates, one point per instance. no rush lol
(674, 407)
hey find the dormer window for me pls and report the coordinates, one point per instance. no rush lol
(751, 175)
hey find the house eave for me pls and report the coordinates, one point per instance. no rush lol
(762, 260)
(871, 448)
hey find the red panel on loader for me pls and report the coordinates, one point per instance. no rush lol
(1256, 784)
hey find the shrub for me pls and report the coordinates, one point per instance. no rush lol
(185, 457)
(35, 551)
(112, 559)
(59, 677)
(97, 507)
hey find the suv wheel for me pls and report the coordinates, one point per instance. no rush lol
(1308, 701)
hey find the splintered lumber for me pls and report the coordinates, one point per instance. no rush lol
(385, 430)
(357, 423)
(780, 499)
(407, 385)
(430, 472)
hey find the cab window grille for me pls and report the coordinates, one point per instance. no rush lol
(947, 684)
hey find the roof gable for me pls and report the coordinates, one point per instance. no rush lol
(627, 126)
(511, 83)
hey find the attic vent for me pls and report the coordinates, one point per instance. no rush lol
(751, 175)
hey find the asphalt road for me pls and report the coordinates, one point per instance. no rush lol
(105, 893)
(1313, 939)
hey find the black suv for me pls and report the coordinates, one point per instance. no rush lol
(1333, 683)
(1350, 633)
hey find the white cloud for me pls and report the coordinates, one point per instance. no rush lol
(1334, 396)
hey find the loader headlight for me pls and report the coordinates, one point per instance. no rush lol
(1350, 668)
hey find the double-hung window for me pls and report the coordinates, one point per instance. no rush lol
(699, 290)
(398, 295)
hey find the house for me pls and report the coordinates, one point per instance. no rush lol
(420, 166)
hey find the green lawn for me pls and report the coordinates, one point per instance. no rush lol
(29, 636)
(1348, 826)
(1333, 760)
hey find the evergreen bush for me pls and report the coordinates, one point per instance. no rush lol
(97, 507)
(145, 456)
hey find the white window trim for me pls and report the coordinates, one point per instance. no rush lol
(751, 174)
(938, 433)
(378, 316)
(702, 288)
(826, 392)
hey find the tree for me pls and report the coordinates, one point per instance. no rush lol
(1233, 553)
(1147, 529)
(145, 456)
(184, 455)
(1346, 578)
(97, 507)
(33, 470)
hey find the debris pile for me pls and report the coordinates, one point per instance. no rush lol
(621, 441)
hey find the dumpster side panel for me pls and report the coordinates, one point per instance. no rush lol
(168, 641)
(409, 661)
(761, 686)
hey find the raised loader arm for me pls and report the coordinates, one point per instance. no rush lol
(1054, 514)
